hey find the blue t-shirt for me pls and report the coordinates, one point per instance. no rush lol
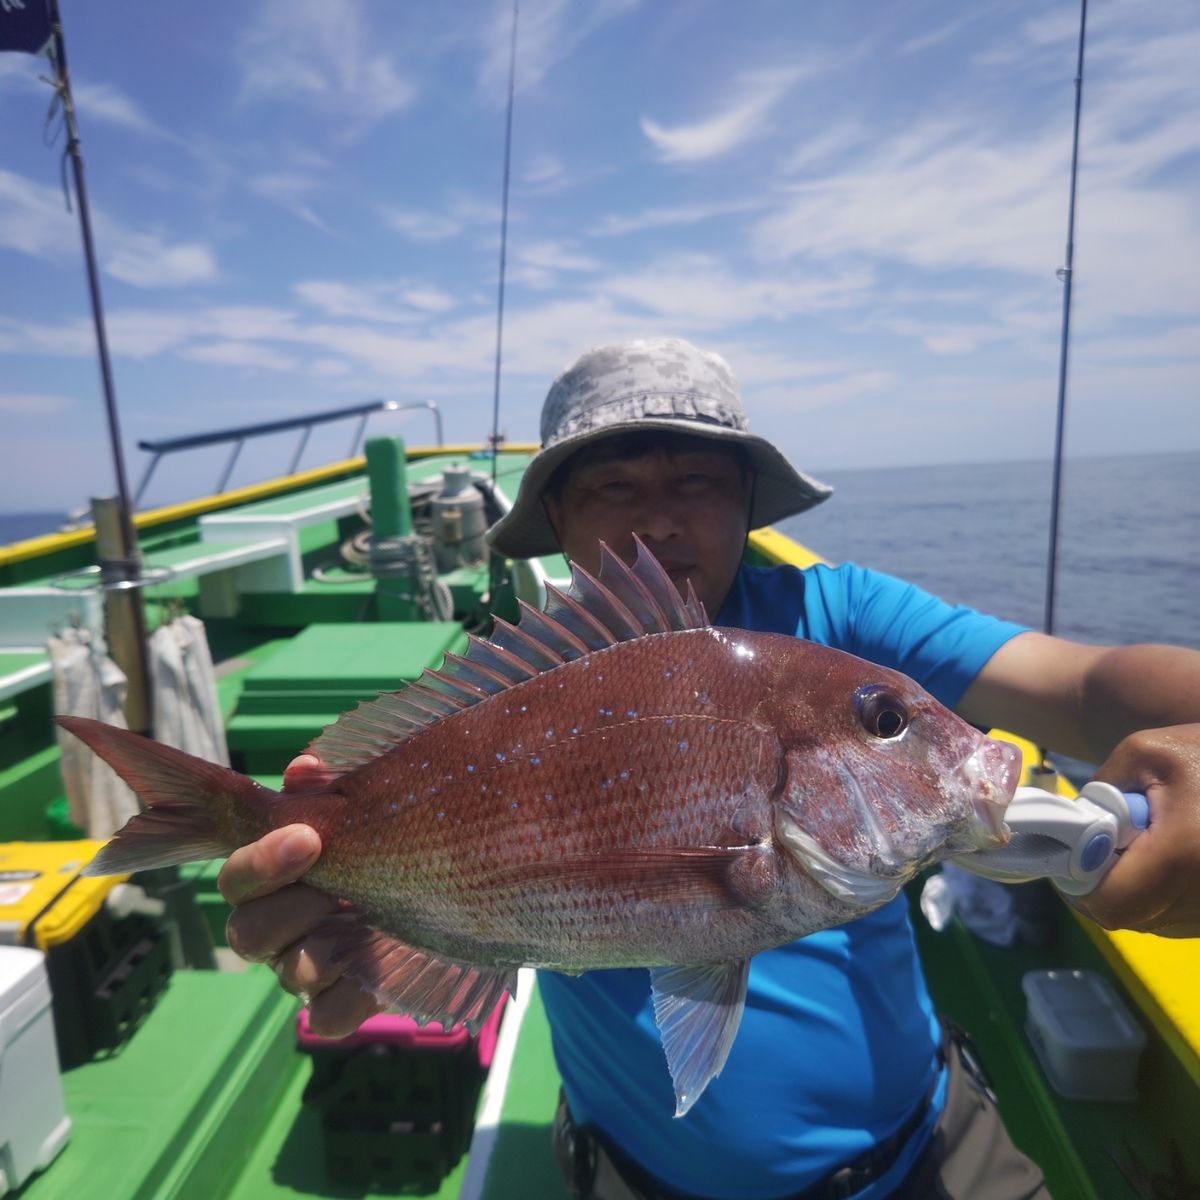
(838, 1041)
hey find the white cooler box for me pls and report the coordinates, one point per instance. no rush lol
(33, 1122)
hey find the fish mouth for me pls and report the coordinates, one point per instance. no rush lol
(991, 773)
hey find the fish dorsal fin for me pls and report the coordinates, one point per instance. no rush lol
(623, 603)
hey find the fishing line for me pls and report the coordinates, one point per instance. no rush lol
(512, 68)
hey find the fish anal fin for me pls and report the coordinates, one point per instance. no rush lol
(416, 982)
(697, 1010)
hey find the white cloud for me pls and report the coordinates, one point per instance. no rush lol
(290, 190)
(323, 56)
(743, 119)
(421, 226)
(240, 354)
(935, 37)
(104, 102)
(329, 368)
(34, 219)
(386, 302)
(145, 261)
(699, 290)
(615, 224)
(14, 404)
(548, 32)
(545, 174)
(542, 264)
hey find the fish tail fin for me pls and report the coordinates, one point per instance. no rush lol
(197, 809)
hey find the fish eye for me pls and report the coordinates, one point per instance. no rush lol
(882, 713)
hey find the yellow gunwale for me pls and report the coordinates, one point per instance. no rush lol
(50, 542)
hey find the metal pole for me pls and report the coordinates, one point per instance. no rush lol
(118, 551)
(512, 70)
(1066, 274)
(124, 616)
(89, 250)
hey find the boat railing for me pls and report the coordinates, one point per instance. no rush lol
(239, 435)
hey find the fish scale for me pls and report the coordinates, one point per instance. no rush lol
(594, 788)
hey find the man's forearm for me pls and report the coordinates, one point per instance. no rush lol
(1129, 688)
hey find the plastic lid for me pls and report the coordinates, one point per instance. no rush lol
(1080, 1010)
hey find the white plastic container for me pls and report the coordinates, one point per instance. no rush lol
(33, 1123)
(1088, 1042)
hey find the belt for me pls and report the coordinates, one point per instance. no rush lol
(847, 1180)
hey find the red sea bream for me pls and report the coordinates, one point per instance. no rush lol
(611, 783)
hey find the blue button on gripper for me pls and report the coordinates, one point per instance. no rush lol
(1096, 851)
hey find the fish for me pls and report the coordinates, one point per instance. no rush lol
(610, 782)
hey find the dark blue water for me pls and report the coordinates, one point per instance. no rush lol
(1129, 540)
(15, 527)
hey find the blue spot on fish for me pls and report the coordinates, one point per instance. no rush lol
(623, 776)
(631, 712)
(683, 745)
(470, 768)
(533, 758)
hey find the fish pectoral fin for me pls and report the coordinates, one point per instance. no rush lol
(420, 984)
(697, 1010)
(695, 875)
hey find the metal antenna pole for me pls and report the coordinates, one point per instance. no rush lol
(120, 560)
(89, 250)
(1066, 274)
(512, 70)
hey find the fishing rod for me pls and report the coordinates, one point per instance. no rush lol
(512, 69)
(1066, 274)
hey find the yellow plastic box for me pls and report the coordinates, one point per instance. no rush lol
(104, 972)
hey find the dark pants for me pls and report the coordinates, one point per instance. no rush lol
(970, 1156)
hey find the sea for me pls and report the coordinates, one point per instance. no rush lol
(978, 534)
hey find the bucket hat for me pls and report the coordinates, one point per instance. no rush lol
(648, 383)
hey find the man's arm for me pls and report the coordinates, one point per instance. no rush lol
(1082, 700)
(1135, 710)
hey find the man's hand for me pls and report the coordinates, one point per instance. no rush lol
(1155, 885)
(274, 916)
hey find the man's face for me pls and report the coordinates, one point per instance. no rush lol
(687, 503)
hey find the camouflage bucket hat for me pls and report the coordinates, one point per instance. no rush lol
(650, 383)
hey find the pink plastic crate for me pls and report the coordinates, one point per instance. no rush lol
(396, 1101)
(392, 1029)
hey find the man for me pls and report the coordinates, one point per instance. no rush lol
(838, 1083)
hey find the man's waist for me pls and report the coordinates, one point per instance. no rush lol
(845, 1178)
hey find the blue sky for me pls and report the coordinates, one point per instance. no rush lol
(862, 205)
